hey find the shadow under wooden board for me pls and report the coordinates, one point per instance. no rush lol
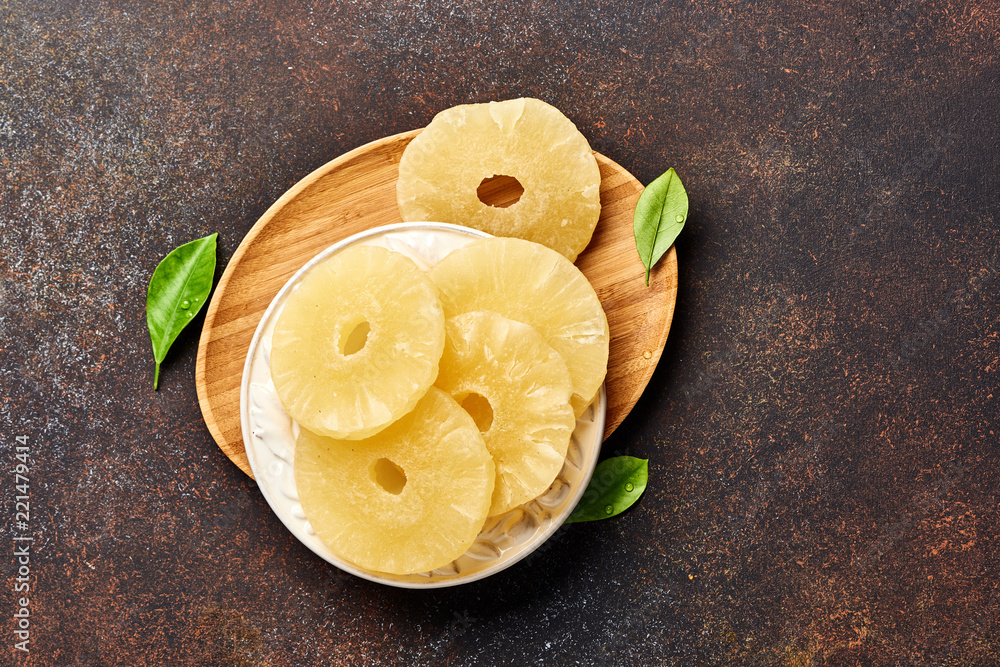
(357, 191)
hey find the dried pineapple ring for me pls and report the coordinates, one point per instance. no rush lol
(517, 389)
(357, 343)
(409, 499)
(527, 139)
(529, 283)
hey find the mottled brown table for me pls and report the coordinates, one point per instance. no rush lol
(822, 430)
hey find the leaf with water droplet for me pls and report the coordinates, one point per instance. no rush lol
(616, 485)
(659, 218)
(184, 276)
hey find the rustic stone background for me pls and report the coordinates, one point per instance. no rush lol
(822, 430)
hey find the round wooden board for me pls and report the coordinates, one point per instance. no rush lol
(357, 191)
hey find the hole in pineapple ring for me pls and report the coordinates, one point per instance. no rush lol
(354, 338)
(480, 409)
(500, 191)
(388, 475)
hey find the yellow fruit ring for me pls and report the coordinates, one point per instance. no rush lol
(357, 343)
(529, 283)
(409, 499)
(442, 169)
(517, 389)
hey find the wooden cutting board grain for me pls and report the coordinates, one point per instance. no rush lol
(357, 191)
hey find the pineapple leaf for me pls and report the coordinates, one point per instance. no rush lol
(177, 290)
(616, 485)
(659, 218)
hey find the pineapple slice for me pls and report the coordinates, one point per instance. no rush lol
(357, 343)
(465, 146)
(529, 283)
(517, 389)
(409, 499)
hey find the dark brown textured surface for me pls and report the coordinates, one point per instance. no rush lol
(822, 430)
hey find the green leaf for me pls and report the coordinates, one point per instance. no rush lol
(617, 483)
(659, 218)
(178, 289)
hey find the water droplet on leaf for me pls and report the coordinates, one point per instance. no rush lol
(630, 486)
(608, 509)
(185, 304)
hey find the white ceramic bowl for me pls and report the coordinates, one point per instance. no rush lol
(269, 436)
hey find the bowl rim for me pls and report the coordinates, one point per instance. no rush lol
(539, 538)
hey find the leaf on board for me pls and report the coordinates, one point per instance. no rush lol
(659, 218)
